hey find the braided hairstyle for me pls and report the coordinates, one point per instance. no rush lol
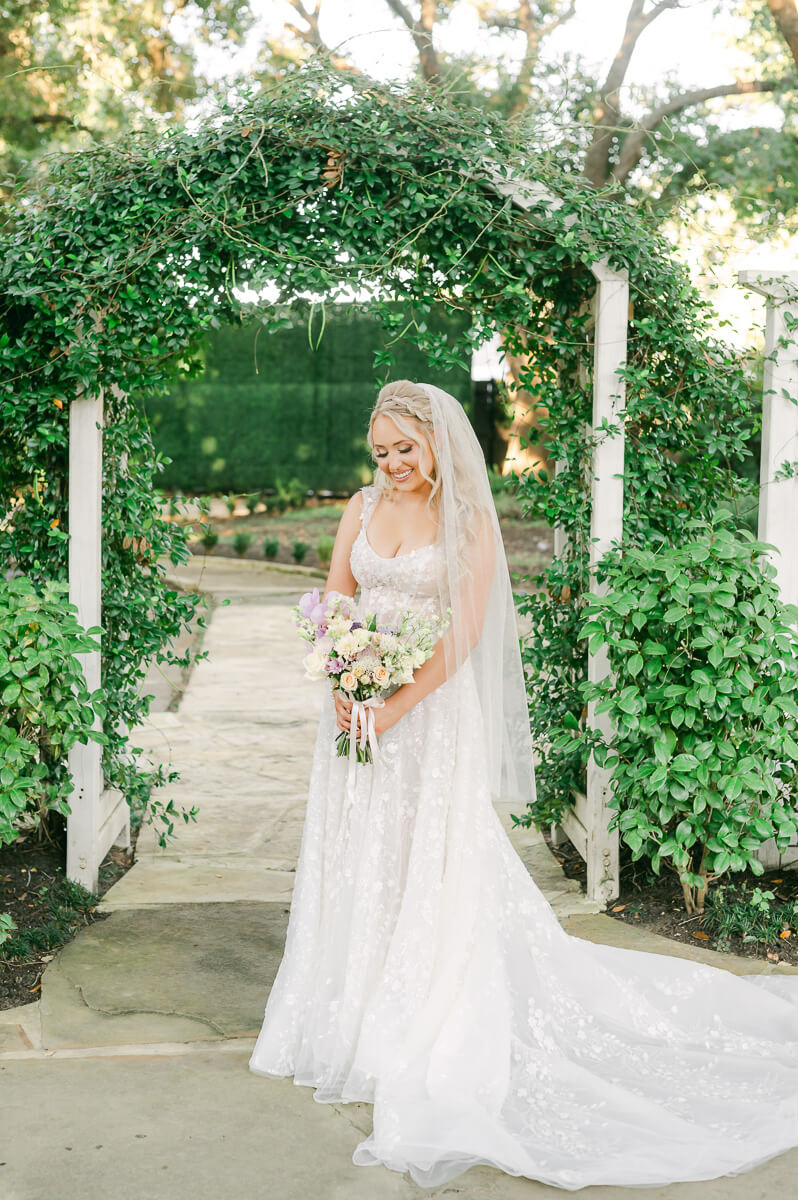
(410, 408)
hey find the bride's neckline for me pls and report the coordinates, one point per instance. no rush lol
(388, 557)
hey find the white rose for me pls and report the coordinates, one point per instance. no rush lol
(314, 665)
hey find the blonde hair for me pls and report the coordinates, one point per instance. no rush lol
(404, 401)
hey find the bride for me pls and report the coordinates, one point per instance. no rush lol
(424, 972)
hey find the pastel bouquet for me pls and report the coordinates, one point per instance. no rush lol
(363, 658)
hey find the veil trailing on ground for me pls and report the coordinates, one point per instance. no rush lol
(475, 584)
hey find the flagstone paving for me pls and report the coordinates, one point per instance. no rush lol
(129, 1078)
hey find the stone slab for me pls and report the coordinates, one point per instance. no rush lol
(173, 879)
(174, 973)
(201, 1125)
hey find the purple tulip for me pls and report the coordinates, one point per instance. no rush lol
(308, 603)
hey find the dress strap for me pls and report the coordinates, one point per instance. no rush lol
(370, 497)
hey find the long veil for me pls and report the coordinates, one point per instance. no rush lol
(476, 586)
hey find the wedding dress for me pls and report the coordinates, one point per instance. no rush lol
(424, 970)
(425, 973)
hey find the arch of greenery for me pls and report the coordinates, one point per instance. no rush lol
(118, 260)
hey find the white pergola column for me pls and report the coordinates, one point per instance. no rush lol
(100, 817)
(778, 498)
(586, 824)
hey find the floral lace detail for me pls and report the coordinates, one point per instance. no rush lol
(425, 972)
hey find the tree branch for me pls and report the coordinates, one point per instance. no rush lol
(635, 140)
(51, 119)
(524, 21)
(421, 32)
(534, 33)
(607, 114)
(312, 35)
(785, 14)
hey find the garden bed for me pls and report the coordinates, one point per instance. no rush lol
(529, 545)
(47, 908)
(655, 902)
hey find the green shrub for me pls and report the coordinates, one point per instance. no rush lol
(271, 547)
(209, 537)
(286, 495)
(295, 492)
(299, 549)
(735, 911)
(242, 542)
(230, 502)
(275, 502)
(252, 501)
(324, 549)
(702, 700)
(45, 704)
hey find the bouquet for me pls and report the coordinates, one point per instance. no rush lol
(365, 659)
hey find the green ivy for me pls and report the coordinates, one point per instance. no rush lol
(119, 260)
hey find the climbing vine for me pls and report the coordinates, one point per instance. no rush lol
(117, 261)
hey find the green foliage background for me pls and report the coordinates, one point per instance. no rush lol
(285, 401)
(123, 259)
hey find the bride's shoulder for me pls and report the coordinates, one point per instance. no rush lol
(356, 506)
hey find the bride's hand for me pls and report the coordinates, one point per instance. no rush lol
(384, 717)
(343, 709)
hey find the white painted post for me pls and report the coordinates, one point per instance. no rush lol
(606, 527)
(586, 824)
(778, 498)
(98, 817)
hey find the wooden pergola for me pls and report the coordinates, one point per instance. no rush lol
(100, 817)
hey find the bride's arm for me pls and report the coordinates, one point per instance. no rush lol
(340, 577)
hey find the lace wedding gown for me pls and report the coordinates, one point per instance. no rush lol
(424, 972)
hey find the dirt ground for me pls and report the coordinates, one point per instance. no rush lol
(656, 902)
(47, 910)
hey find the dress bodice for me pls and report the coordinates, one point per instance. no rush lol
(390, 587)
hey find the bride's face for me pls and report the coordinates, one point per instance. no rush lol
(400, 456)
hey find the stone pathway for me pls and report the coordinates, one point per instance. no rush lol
(132, 1069)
